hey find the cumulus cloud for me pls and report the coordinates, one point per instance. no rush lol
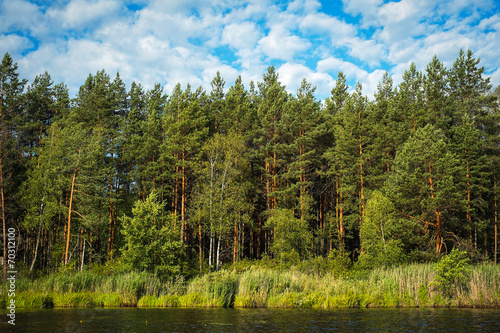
(79, 13)
(241, 35)
(279, 44)
(366, 8)
(321, 23)
(291, 75)
(18, 14)
(14, 44)
(369, 80)
(188, 41)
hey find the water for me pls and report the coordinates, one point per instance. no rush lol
(254, 320)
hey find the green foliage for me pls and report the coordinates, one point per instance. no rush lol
(245, 174)
(381, 234)
(339, 263)
(452, 272)
(291, 235)
(152, 239)
(262, 286)
(422, 185)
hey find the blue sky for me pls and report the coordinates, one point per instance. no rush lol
(188, 41)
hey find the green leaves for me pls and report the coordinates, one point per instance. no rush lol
(290, 234)
(382, 233)
(452, 272)
(151, 238)
(423, 185)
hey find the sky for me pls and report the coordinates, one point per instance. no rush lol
(189, 41)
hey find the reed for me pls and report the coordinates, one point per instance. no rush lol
(263, 286)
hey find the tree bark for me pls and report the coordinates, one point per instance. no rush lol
(496, 217)
(69, 217)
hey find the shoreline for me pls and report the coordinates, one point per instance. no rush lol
(409, 286)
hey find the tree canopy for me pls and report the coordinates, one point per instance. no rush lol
(196, 179)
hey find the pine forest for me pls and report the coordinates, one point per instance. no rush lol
(196, 181)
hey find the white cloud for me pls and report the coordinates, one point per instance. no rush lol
(18, 14)
(78, 13)
(228, 73)
(401, 20)
(495, 78)
(322, 23)
(367, 9)
(291, 75)
(334, 65)
(181, 41)
(455, 7)
(241, 35)
(14, 44)
(369, 80)
(366, 50)
(278, 44)
(306, 6)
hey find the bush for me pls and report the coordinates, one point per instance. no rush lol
(452, 272)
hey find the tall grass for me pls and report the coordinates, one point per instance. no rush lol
(260, 286)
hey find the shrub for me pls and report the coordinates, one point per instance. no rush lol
(452, 272)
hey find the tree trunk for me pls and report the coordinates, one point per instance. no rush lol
(210, 250)
(438, 215)
(110, 229)
(217, 266)
(69, 217)
(36, 248)
(83, 254)
(183, 199)
(496, 217)
(235, 240)
(469, 217)
(341, 217)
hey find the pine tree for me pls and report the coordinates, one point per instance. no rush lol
(272, 104)
(11, 99)
(217, 102)
(491, 149)
(301, 126)
(334, 159)
(436, 88)
(186, 127)
(94, 152)
(350, 154)
(423, 185)
(40, 192)
(384, 143)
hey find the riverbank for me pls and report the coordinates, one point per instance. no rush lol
(405, 286)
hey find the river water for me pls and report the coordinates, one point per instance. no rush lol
(190, 320)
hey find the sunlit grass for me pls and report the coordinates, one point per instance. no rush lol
(261, 286)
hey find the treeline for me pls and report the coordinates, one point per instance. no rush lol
(187, 182)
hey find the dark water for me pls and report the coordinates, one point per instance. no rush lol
(254, 320)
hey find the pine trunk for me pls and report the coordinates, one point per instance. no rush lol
(439, 243)
(469, 217)
(200, 245)
(183, 199)
(110, 229)
(69, 217)
(496, 217)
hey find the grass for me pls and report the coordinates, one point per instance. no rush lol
(261, 286)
